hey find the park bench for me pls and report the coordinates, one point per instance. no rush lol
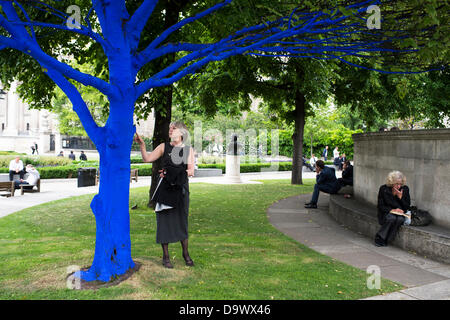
(30, 187)
(134, 173)
(4, 181)
(7, 186)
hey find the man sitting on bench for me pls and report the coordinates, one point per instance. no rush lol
(16, 167)
(31, 180)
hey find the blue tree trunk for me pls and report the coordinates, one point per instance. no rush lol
(111, 205)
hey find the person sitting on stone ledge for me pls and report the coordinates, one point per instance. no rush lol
(325, 181)
(347, 175)
(393, 203)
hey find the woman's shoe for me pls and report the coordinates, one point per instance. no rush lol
(189, 262)
(166, 263)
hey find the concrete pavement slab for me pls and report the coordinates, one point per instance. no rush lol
(392, 296)
(434, 291)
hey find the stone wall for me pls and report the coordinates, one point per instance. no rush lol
(422, 155)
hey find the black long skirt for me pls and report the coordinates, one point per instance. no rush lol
(172, 224)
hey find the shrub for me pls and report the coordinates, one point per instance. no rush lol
(61, 172)
(37, 161)
(144, 169)
(249, 167)
(7, 153)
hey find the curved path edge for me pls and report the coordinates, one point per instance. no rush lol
(423, 278)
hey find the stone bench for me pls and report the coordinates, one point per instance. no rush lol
(431, 241)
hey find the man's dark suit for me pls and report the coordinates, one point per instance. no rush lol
(326, 182)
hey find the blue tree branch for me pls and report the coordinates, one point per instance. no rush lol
(33, 34)
(147, 52)
(136, 24)
(95, 132)
(315, 35)
(21, 40)
(112, 15)
(63, 16)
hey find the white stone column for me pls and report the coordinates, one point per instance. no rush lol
(12, 110)
(233, 169)
(58, 144)
(44, 138)
(34, 125)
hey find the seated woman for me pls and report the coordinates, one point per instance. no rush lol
(393, 202)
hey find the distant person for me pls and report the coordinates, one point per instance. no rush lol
(325, 181)
(308, 165)
(342, 159)
(61, 154)
(16, 167)
(33, 177)
(71, 156)
(83, 156)
(34, 148)
(335, 153)
(325, 153)
(313, 160)
(393, 204)
(337, 163)
(347, 175)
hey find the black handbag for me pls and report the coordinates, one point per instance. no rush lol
(420, 218)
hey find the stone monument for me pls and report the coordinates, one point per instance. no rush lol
(233, 164)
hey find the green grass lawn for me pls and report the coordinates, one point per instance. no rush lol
(238, 254)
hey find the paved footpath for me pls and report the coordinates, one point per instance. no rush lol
(425, 279)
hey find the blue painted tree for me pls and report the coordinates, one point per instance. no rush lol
(340, 33)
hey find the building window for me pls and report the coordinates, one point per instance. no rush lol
(28, 127)
(3, 126)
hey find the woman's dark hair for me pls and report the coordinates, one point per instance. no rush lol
(320, 164)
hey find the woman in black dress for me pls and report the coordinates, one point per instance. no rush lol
(393, 202)
(172, 193)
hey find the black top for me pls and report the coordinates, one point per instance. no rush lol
(348, 173)
(387, 201)
(174, 166)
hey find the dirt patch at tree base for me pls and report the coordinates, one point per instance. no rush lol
(77, 284)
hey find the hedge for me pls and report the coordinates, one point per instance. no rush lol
(36, 161)
(71, 171)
